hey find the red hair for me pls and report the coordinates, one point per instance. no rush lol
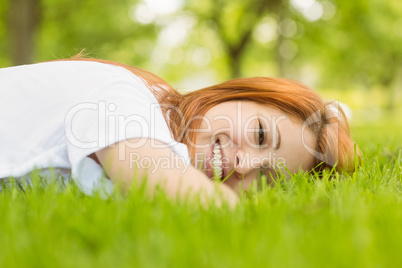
(334, 146)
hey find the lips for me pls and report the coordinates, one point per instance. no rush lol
(216, 162)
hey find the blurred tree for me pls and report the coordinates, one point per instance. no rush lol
(323, 43)
(4, 59)
(234, 22)
(24, 17)
(359, 45)
(102, 27)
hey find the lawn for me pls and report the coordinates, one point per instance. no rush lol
(305, 222)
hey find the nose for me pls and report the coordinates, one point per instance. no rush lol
(247, 162)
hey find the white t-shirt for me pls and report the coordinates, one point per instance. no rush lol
(56, 114)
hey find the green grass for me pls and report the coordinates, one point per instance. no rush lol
(304, 222)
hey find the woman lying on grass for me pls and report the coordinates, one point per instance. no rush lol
(97, 119)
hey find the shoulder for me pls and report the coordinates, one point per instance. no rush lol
(71, 67)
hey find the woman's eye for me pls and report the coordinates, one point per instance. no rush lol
(261, 135)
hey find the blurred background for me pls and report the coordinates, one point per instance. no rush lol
(350, 51)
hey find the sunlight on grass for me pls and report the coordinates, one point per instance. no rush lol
(334, 221)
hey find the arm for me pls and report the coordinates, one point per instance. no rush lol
(122, 164)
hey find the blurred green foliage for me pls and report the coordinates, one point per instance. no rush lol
(331, 45)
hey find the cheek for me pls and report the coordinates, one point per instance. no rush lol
(309, 146)
(292, 162)
(223, 124)
(296, 158)
(223, 115)
(204, 131)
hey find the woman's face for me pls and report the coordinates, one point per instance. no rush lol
(241, 140)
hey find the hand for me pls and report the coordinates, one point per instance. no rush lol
(179, 181)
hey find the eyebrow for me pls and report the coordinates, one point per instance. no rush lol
(277, 138)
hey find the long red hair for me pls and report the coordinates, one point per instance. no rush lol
(334, 146)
